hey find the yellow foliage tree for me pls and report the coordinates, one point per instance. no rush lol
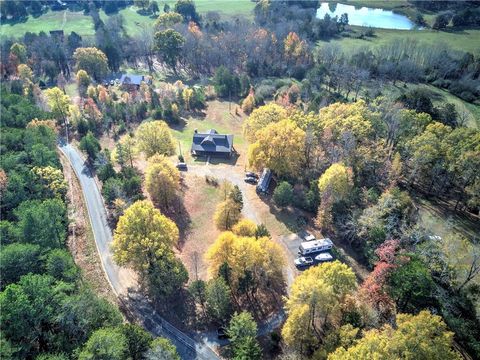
(340, 118)
(315, 301)
(248, 103)
(142, 235)
(187, 97)
(280, 146)
(24, 72)
(262, 259)
(336, 182)
(154, 137)
(261, 117)
(245, 227)
(52, 180)
(48, 123)
(335, 185)
(162, 180)
(227, 214)
(59, 103)
(423, 337)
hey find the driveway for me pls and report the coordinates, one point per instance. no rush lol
(235, 175)
(122, 280)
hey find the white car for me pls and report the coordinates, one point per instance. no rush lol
(323, 257)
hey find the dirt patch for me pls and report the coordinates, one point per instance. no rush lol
(200, 201)
(81, 241)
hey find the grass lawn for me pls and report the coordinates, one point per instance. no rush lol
(134, 22)
(464, 40)
(53, 20)
(218, 117)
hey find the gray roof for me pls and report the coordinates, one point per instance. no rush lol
(128, 79)
(212, 141)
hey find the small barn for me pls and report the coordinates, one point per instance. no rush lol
(211, 143)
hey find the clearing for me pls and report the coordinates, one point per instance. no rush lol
(82, 24)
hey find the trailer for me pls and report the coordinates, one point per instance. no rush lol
(316, 246)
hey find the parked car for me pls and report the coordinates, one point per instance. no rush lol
(323, 257)
(250, 180)
(181, 166)
(251, 174)
(222, 333)
(303, 262)
(112, 82)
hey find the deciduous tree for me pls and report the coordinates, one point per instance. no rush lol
(162, 180)
(279, 146)
(423, 336)
(315, 302)
(92, 60)
(169, 43)
(261, 117)
(154, 137)
(59, 104)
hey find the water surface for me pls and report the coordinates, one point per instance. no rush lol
(363, 16)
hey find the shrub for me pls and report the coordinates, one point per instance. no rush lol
(283, 194)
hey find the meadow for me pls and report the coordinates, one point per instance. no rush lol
(134, 22)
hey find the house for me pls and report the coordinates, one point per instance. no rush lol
(264, 182)
(132, 81)
(212, 143)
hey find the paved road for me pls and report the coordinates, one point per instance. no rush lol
(122, 280)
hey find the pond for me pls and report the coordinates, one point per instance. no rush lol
(363, 16)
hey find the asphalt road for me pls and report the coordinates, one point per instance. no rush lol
(123, 280)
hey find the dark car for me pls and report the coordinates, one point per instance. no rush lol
(251, 174)
(303, 262)
(181, 166)
(250, 180)
(222, 333)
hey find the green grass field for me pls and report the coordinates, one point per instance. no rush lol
(134, 22)
(53, 20)
(465, 40)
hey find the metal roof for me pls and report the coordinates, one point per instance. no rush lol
(212, 141)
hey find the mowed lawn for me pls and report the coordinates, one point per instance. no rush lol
(217, 116)
(134, 22)
(53, 20)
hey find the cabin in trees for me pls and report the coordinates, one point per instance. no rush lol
(132, 82)
(211, 143)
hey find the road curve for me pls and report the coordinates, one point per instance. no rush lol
(123, 280)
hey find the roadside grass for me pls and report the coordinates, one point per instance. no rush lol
(463, 40)
(53, 20)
